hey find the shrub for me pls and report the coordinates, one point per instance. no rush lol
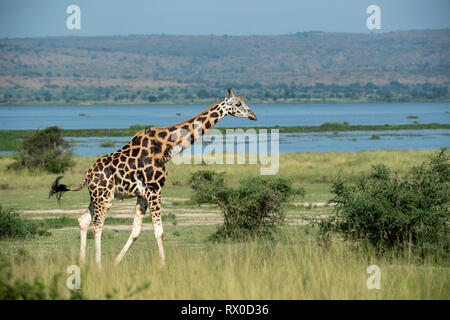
(13, 226)
(203, 182)
(45, 149)
(252, 210)
(396, 212)
(108, 144)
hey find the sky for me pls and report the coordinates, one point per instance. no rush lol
(42, 18)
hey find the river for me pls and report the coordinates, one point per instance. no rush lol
(83, 117)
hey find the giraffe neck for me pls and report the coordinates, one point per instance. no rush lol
(182, 135)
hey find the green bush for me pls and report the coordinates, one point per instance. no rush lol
(202, 182)
(391, 211)
(12, 226)
(108, 144)
(252, 210)
(45, 149)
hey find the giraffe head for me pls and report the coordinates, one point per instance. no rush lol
(235, 106)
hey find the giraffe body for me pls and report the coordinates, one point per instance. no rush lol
(138, 170)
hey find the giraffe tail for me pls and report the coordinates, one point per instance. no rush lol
(58, 189)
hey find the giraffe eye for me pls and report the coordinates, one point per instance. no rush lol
(238, 104)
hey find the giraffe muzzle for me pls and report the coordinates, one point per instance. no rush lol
(251, 116)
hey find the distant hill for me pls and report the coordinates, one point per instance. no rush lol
(161, 67)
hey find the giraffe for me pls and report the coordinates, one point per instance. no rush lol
(138, 170)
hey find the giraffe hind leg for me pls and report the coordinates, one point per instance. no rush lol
(155, 207)
(100, 209)
(83, 222)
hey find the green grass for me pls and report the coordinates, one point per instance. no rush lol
(295, 267)
(66, 221)
(313, 171)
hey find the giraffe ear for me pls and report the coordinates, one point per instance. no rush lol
(231, 92)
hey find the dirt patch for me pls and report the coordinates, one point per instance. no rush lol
(147, 226)
(313, 204)
(79, 211)
(118, 206)
(298, 222)
(179, 215)
(175, 199)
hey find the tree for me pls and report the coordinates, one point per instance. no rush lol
(152, 99)
(203, 94)
(45, 149)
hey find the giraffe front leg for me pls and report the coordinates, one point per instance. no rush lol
(98, 247)
(141, 207)
(158, 229)
(155, 207)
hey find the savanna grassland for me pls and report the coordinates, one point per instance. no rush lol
(298, 265)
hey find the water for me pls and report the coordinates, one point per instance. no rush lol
(306, 142)
(83, 117)
(88, 117)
